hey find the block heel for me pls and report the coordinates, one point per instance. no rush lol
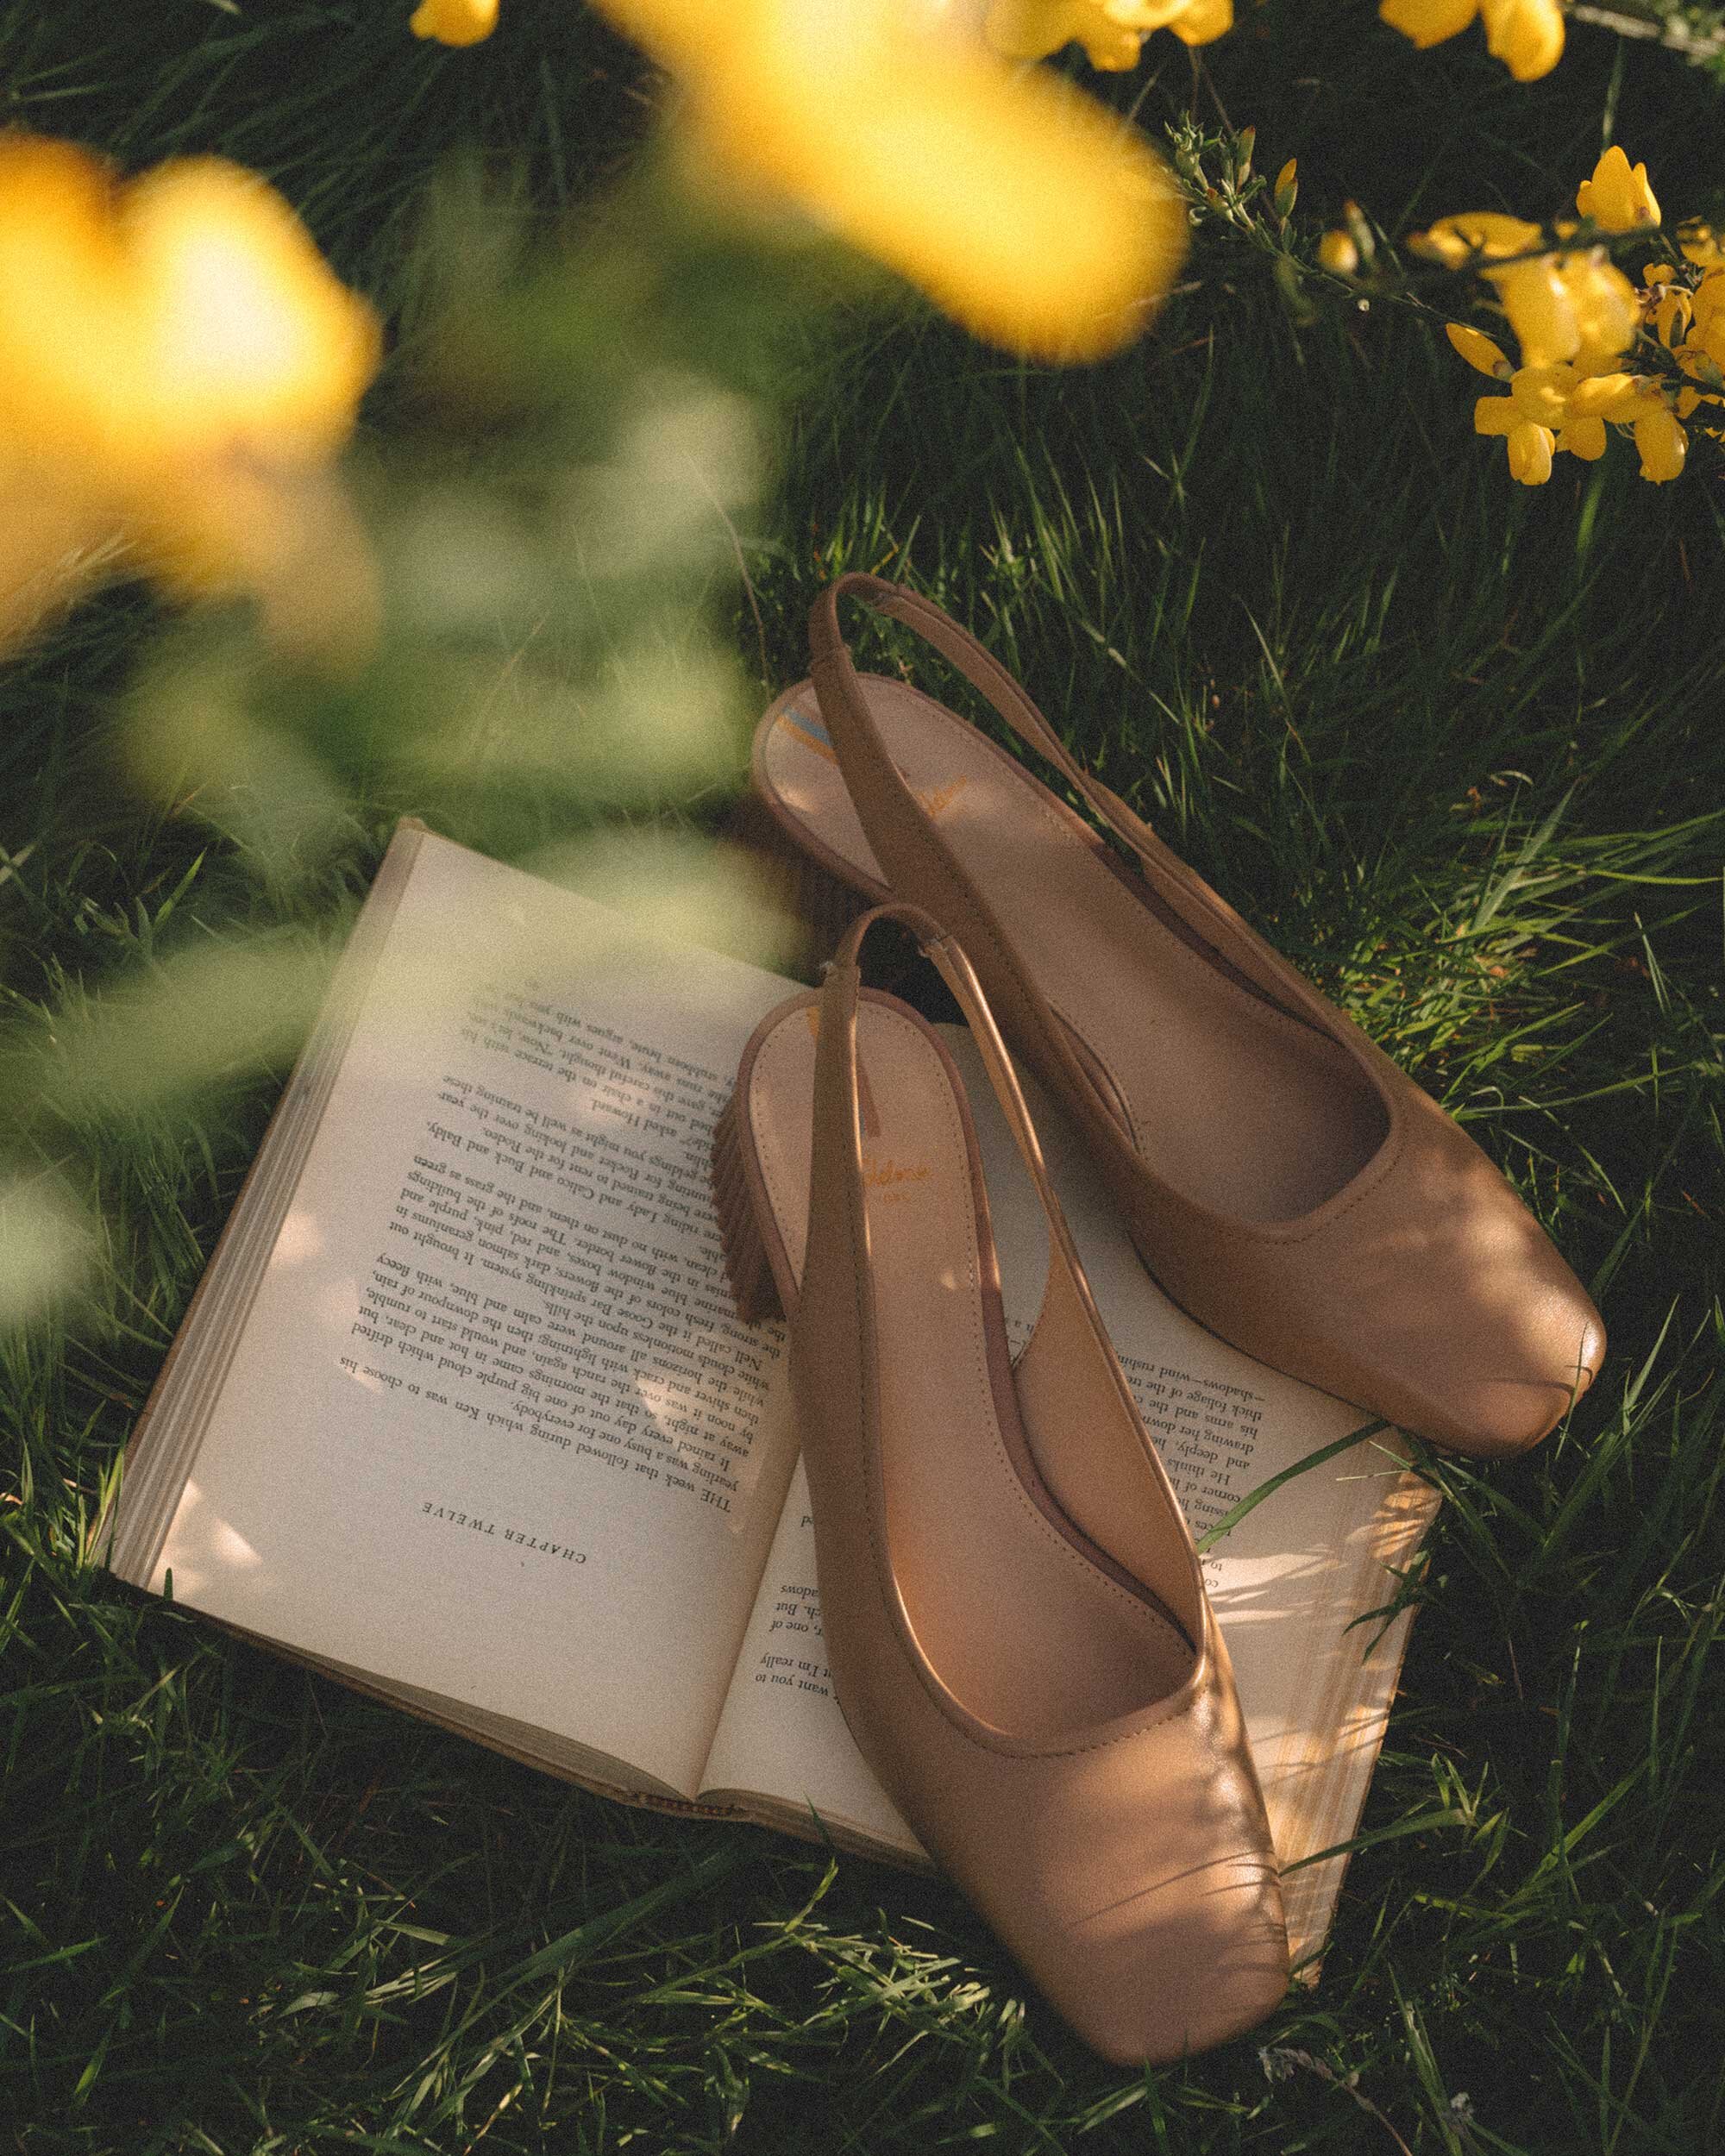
(747, 1266)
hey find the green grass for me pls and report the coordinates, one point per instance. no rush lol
(1458, 747)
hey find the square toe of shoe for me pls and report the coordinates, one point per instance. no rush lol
(1503, 1385)
(1156, 1992)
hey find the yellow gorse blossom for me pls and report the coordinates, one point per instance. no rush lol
(1617, 197)
(1029, 212)
(1479, 350)
(455, 22)
(1526, 35)
(1112, 32)
(1338, 253)
(1578, 320)
(1568, 304)
(177, 369)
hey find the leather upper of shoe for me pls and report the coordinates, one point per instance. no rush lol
(1126, 1861)
(1425, 1289)
(1421, 1288)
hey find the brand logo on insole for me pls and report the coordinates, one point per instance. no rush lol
(891, 1176)
(804, 727)
(937, 800)
(809, 731)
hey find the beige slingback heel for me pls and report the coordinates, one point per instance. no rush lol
(1015, 1616)
(1285, 1182)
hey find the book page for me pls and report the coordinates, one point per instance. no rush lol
(493, 1429)
(782, 1734)
(1285, 1583)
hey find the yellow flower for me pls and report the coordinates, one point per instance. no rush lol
(1708, 324)
(1671, 317)
(1663, 444)
(1607, 310)
(1457, 240)
(1478, 350)
(1040, 220)
(1112, 32)
(1528, 442)
(1337, 254)
(1700, 244)
(1577, 306)
(455, 22)
(1526, 35)
(1201, 22)
(1584, 438)
(1429, 21)
(1030, 30)
(245, 337)
(1621, 399)
(1616, 199)
(1539, 310)
(1542, 392)
(1530, 453)
(177, 369)
(67, 306)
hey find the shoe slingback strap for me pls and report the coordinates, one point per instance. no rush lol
(1069, 1365)
(869, 769)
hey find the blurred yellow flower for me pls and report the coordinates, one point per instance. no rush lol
(177, 369)
(1455, 242)
(1030, 30)
(454, 22)
(1112, 32)
(244, 335)
(1429, 21)
(1337, 252)
(1616, 199)
(1526, 35)
(1038, 219)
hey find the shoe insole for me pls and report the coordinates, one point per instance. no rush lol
(1232, 1102)
(1009, 1604)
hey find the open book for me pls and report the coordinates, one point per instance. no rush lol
(462, 1415)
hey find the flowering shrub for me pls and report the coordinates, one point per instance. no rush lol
(1578, 320)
